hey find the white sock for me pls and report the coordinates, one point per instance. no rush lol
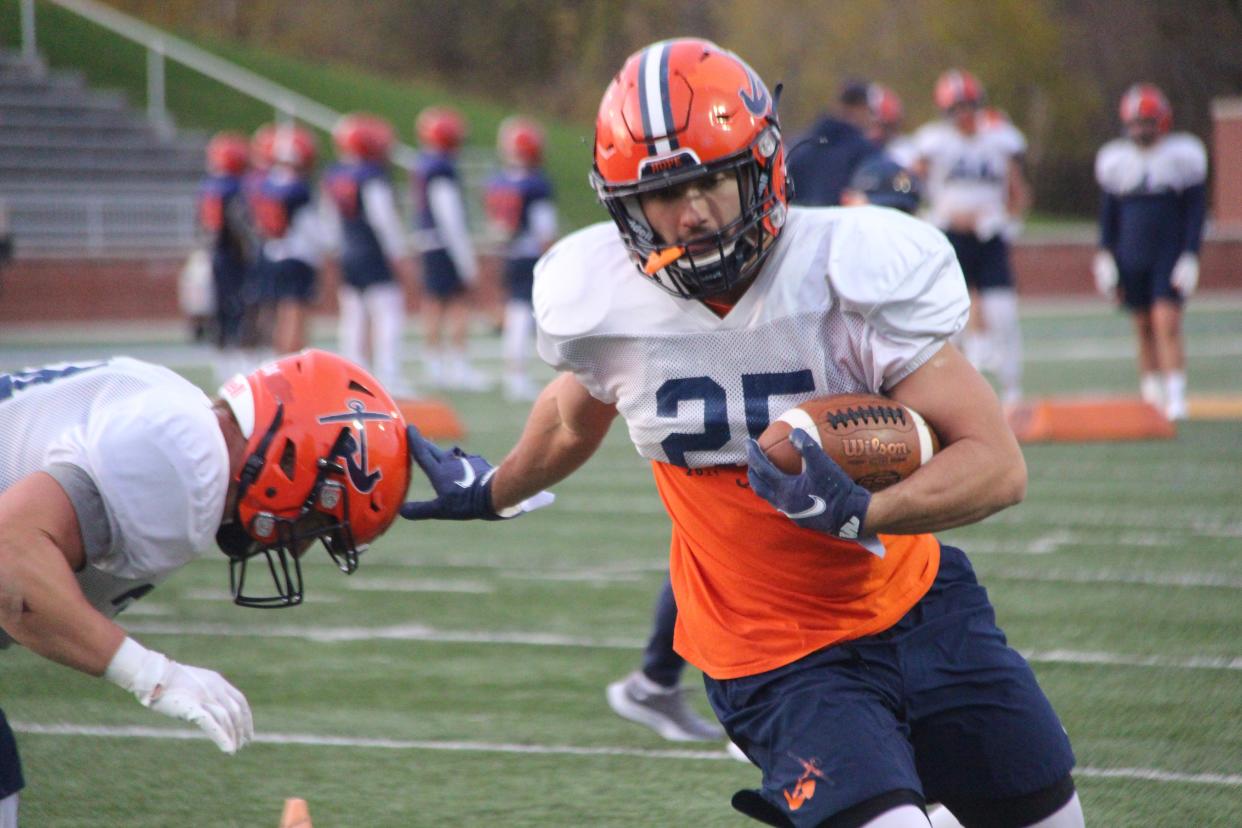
(1175, 395)
(1151, 389)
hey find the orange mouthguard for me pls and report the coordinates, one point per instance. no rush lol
(660, 259)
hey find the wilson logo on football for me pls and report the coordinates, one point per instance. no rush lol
(873, 447)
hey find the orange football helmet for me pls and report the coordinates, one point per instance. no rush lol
(679, 110)
(227, 153)
(363, 136)
(440, 128)
(1145, 102)
(294, 146)
(957, 86)
(519, 142)
(884, 104)
(326, 459)
(261, 145)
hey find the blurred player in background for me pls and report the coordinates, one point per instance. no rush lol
(363, 226)
(1151, 224)
(887, 114)
(522, 214)
(116, 473)
(823, 159)
(885, 183)
(652, 695)
(224, 215)
(971, 163)
(450, 268)
(853, 657)
(293, 240)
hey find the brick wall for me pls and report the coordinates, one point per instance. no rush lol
(57, 290)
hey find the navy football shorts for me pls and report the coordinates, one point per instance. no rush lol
(938, 704)
(985, 263)
(1142, 287)
(520, 279)
(292, 279)
(440, 276)
(10, 765)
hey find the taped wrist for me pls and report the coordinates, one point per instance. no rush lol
(138, 670)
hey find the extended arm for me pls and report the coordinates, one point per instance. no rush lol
(40, 546)
(565, 427)
(42, 608)
(978, 471)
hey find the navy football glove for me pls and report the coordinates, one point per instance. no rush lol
(822, 497)
(462, 483)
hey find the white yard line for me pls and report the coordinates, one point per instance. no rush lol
(420, 632)
(313, 740)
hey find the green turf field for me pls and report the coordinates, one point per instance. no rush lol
(458, 678)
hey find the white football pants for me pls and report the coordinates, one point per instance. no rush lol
(383, 306)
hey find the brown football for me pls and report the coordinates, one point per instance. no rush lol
(877, 441)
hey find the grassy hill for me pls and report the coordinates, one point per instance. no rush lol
(111, 62)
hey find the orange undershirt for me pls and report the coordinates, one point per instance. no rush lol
(755, 591)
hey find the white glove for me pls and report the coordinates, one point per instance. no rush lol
(989, 225)
(1013, 229)
(1104, 268)
(192, 694)
(1185, 275)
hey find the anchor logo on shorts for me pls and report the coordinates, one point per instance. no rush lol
(804, 788)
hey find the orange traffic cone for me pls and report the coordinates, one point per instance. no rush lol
(296, 814)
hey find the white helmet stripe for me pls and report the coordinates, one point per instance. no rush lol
(653, 84)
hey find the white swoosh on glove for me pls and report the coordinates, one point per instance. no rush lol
(817, 507)
(467, 481)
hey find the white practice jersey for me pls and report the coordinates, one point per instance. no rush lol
(141, 456)
(902, 150)
(1170, 165)
(969, 174)
(850, 300)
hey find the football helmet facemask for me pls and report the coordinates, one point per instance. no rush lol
(677, 111)
(326, 459)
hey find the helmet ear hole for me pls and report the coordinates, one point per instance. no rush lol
(289, 459)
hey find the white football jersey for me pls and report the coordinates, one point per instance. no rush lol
(903, 151)
(968, 173)
(1170, 165)
(148, 444)
(850, 300)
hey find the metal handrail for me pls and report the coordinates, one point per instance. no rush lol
(160, 45)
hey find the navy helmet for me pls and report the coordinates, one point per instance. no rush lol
(888, 184)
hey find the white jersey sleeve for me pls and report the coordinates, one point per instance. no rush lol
(381, 207)
(156, 458)
(901, 276)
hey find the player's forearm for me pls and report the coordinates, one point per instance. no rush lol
(951, 490)
(44, 610)
(552, 446)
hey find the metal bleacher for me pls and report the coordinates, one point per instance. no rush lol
(81, 172)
